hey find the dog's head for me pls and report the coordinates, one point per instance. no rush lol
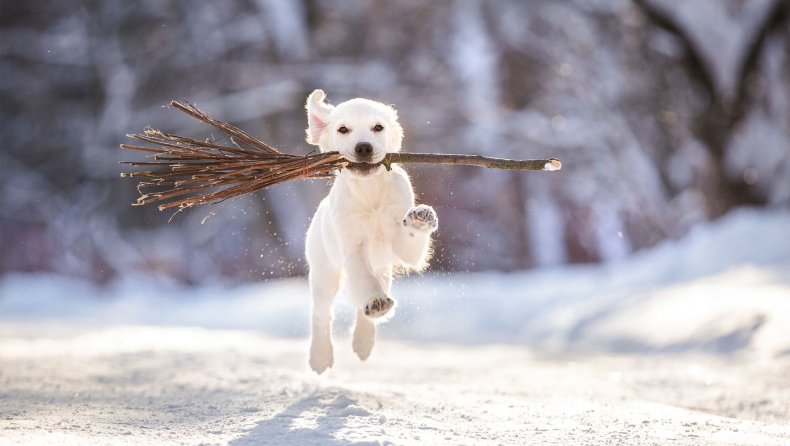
(363, 131)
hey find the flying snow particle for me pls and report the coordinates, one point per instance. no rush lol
(751, 176)
(558, 122)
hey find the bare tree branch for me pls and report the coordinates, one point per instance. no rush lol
(185, 172)
(548, 165)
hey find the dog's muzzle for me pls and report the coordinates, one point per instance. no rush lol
(363, 151)
(362, 169)
(362, 164)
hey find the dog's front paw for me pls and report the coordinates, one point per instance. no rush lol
(422, 218)
(378, 306)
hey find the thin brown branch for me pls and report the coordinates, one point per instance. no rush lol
(550, 164)
(183, 172)
(228, 129)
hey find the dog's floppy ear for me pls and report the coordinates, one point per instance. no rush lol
(317, 115)
(396, 131)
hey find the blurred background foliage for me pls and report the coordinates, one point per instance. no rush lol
(665, 114)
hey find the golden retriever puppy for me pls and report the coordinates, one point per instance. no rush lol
(367, 227)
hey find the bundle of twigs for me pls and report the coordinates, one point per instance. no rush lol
(186, 172)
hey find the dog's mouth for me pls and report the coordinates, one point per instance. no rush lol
(362, 169)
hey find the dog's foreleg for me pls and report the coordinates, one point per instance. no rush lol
(324, 284)
(364, 335)
(367, 292)
(413, 243)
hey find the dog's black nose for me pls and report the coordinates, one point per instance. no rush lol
(364, 150)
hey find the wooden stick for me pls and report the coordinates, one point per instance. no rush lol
(184, 172)
(228, 129)
(548, 165)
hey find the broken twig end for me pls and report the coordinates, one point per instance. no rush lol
(553, 165)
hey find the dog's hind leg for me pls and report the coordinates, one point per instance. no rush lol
(364, 335)
(324, 284)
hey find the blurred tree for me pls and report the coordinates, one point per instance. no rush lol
(664, 113)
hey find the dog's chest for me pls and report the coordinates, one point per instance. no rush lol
(371, 210)
(377, 210)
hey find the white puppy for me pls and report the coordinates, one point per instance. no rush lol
(368, 225)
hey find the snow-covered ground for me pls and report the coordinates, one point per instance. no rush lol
(687, 343)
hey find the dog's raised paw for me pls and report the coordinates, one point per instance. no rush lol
(378, 306)
(422, 218)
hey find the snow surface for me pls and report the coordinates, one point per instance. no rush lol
(686, 343)
(180, 385)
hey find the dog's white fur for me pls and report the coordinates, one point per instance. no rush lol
(367, 227)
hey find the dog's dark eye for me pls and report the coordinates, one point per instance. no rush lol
(343, 129)
(378, 128)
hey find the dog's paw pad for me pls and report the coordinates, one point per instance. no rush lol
(422, 217)
(378, 306)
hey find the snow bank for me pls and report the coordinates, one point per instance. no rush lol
(723, 288)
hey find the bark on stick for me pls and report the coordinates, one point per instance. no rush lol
(183, 172)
